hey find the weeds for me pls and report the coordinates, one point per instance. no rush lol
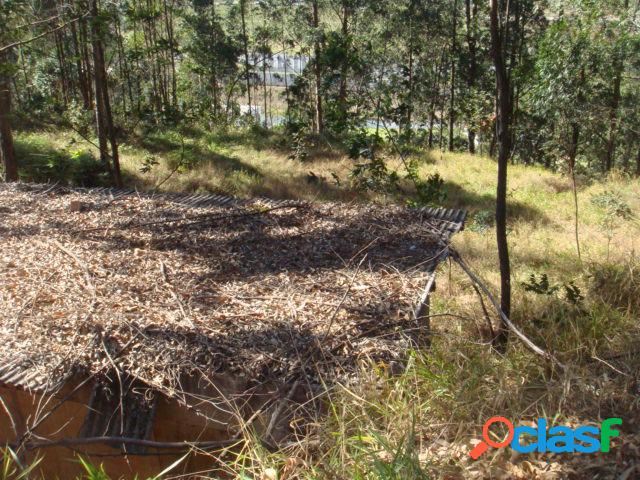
(422, 423)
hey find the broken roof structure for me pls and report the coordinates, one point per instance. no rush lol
(163, 292)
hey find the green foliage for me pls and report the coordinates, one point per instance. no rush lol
(613, 205)
(300, 145)
(92, 472)
(617, 284)
(373, 175)
(13, 469)
(542, 286)
(41, 163)
(482, 221)
(148, 163)
(430, 190)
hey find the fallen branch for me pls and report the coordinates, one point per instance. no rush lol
(485, 312)
(197, 219)
(172, 290)
(527, 342)
(80, 263)
(422, 308)
(66, 442)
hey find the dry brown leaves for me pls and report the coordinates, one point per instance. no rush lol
(265, 295)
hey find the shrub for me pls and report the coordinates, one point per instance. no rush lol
(41, 163)
(613, 204)
(617, 285)
(482, 221)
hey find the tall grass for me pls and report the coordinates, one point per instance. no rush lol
(422, 423)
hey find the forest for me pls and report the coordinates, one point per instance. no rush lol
(523, 114)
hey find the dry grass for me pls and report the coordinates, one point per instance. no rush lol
(420, 425)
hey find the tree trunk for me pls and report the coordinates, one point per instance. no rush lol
(168, 22)
(503, 120)
(82, 73)
(472, 17)
(609, 158)
(264, 88)
(103, 108)
(62, 67)
(6, 135)
(573, 151)
(452, 113)
(245, 46)
(319, 121)
(344, 68)
(86, 62)
(434, 96)
(286, 80)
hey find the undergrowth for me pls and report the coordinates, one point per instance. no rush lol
(422, 423)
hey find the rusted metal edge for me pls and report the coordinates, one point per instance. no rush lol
(25, 376)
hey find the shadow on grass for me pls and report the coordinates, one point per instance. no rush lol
(459, 197)
(42, 163)
(194, 154)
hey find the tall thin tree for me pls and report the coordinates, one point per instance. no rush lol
(503, 120)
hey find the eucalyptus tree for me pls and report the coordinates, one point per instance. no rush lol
(213, 55)
(7, 70)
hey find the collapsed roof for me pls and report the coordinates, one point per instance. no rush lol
(168, 284)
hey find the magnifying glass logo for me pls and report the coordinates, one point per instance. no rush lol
(483, 446)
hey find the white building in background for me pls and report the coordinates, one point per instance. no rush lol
(276, 66)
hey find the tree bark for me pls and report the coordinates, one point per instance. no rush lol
(168, 22)
(452, 92)
(82, 74)
(6, 134)
(319, 120)
(245, 46)
(472, 17)
(104, 119)
(503, 120)
(618, 67)
(573, 151)
(434, 97)
(344, 68)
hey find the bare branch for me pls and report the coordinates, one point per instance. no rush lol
(43, 34)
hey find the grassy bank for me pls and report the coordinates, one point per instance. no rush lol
(422, 423)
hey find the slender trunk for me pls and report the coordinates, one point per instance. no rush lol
(86, 61)
(214, 70)
(452, 92)
(286, 81)
(471, 17)
(264, 87)
(24, 73)
(82, 77)
(609, 158)
(344, 68)
(410, 99)
(103, 108)
(434, 97)
(573, 151)
(6, 134)
(319, 121)
(504, 151)
(139, 93)
(62, 67)
(168, 22)
(245, 46)
(124, 64)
